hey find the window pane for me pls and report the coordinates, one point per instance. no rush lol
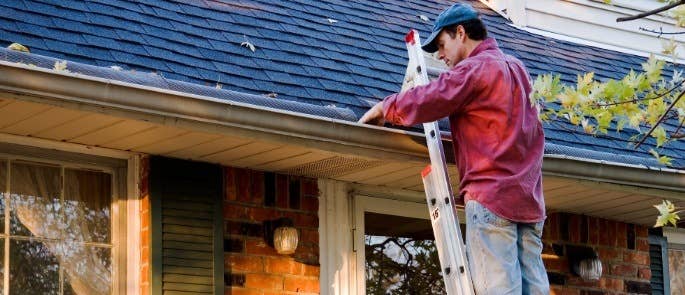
(401, 257)
(33, 269)
(3, 190)
(90, 273)
(87, 201)
(35, 200)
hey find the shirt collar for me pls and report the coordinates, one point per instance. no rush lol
(487, 44)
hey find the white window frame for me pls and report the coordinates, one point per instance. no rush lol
(125, 208)
(364, 204)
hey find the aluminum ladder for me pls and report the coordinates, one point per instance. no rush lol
(441, 204)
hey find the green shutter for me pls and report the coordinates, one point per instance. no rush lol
(187, 232)
(658, 263)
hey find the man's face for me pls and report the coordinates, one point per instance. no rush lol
(451, 50)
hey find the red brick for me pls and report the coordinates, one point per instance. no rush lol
(242, 179)
(641, 231)
(644, 273)
(611, 284)
(233, 211)
(282, 191)
(259, 247)
(554, 227)
(611, 232)
(310, 187)
(563, 291)
(257, 187)
(593, 230)
(307, 220)
(310, 204)
(264, 281)
(309, 235)
(604, 238)
(283, 266)
(579, 282)
(301, 284)
(311, 270)
(230, 190)
(261, 214)
(642, 245)
(610, 254)
(557, 264)
(641, 258)
(574, 223)
(242, 291)
(621, 235)
(242, 263)
(624, 270)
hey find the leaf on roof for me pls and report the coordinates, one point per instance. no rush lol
(218, 85)
(332, 21)
(116, 68)
(423, 18)
(18, 47)
(663, 160)
(248, 44)
(270, 95)
(60, 65)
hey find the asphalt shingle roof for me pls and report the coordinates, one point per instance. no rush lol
(347, 54)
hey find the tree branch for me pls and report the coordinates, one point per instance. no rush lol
(660, 119)
(648, 13)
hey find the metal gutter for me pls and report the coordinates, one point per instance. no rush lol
(219, 116)
(206, 114)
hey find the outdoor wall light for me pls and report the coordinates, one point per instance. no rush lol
(584, 262)
(282, 235)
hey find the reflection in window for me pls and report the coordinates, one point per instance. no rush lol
(60, 226)
(401, 257)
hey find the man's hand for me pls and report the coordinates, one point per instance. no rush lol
(374, 116)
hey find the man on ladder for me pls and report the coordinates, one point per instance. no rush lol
(498, 143)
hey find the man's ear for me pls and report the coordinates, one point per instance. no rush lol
(461, 33)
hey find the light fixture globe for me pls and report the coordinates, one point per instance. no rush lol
(285, 239)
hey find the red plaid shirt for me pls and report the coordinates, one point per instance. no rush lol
(498, 139)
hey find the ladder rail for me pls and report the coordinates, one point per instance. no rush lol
(439, 196)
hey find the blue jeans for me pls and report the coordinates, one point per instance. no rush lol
(504, 256)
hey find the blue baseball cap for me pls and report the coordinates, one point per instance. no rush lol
(457, 13)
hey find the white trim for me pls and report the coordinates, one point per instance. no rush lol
(133, 226)
(117, 237)
(337, 257)
(675, 235)
(64, 146)
(364, 204)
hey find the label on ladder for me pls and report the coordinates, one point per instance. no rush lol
(441, 204)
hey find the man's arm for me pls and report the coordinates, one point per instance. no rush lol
(427, 103)
(374, 116)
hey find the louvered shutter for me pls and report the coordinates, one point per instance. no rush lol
(187, 232)
(658, 257)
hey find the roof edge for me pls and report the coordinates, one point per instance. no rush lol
(205, 114)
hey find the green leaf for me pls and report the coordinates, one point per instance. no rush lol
(667, 214)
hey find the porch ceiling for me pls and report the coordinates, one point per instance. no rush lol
(36, 120)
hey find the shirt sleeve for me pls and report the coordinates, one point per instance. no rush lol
(438, 99)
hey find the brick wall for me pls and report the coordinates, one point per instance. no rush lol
(623, 249)
(145, 217)
(252, 266)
